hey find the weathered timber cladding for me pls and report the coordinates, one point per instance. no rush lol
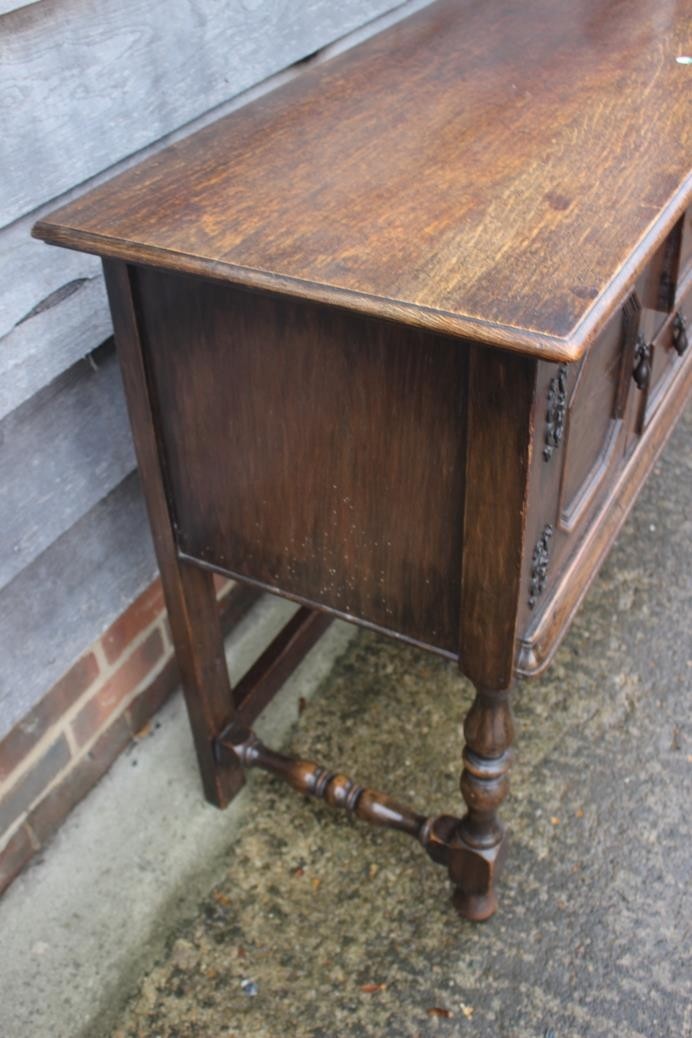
(11, 5)
(85, 89)
(66, 598)
(35, 281)
(102, 81)
(76, 436)
(53, 311)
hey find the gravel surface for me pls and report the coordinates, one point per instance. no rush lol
(320, 926)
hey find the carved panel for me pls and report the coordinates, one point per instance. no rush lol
(594, 420)
(556, 412)
(365, 530)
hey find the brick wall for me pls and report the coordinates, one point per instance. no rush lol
(56, 754)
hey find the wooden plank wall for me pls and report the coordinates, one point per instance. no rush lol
(85, 90)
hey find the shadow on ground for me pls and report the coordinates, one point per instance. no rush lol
(322, 927)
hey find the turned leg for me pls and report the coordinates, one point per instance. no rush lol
(472, 848)
(480, 842)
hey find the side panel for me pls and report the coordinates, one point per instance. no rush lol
(316, 452)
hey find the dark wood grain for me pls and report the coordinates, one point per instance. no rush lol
(239, 743)
(459, 171)
(189, 591)
(509, 179)
(500, 442)
(540, 638)
(592, 438)
(500, 427)
(480, 840)
(297, 447)
(267, 674)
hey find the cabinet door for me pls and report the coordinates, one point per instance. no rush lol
(668, 353)
(578, 453)
(594, 430)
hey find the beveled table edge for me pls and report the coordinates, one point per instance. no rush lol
(546, 347)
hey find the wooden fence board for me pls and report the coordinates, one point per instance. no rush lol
(34, 276)
(41, 349)
(52, 301)
(63, 451)
(60, 604)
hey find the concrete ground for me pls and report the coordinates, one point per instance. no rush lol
(153, 915)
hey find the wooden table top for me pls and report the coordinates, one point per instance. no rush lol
(493, 170)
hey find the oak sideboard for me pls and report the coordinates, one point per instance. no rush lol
(401, 341)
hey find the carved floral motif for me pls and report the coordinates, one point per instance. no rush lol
(539, 565)
(556, 412)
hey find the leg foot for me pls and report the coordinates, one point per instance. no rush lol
(474, 874)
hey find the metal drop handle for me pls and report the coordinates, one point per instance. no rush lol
(680, 338)
(642, 363)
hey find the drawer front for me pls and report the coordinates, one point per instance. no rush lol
(626, 373)
(685, 264)
(579, 450)
(666, 354)
(658, 285)
(601, 415)
(594, 434)
(584, 477)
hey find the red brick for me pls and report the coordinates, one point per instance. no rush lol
(130, 624)
(50, 812)
(32, 783)
(234, 605)
(24, 736)
(15, 855)
(152, 698)
(106, 702)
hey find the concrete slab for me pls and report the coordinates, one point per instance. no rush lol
(80, 925)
